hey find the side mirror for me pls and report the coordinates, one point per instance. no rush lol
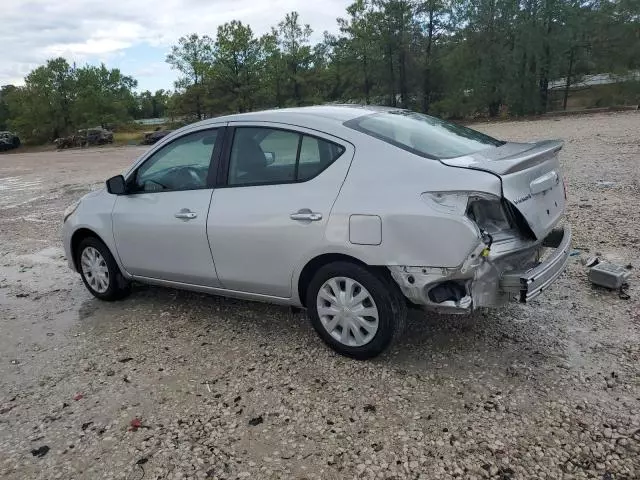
(270, 157)
(116, 185)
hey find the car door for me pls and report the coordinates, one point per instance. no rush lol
(278, 184)
(160, 224)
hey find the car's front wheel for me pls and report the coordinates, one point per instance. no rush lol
(99, 270)
(355, 311)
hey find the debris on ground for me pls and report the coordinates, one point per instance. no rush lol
(78, 396)
(608, 275)
(590, 261)
(256, 421)
(7, 409)
(40, 451)
(606, 184)
(135, 424)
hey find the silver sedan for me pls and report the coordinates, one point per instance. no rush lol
(354, 213)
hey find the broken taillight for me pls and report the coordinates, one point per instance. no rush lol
(488, 213)
(484, 209)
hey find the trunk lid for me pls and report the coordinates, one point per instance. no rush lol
(531, 179)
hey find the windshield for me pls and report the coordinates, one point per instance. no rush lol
(422, 134)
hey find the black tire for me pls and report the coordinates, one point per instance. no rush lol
(391, 305)
(118, 286)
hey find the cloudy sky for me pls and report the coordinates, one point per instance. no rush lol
(133, 35)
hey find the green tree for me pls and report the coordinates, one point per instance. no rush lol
(274, 70)
(58, 98)
(362, 46)
(159, 103)
(6, 92)
(330, 77)
(192, 57)
(42, 109)
(102, 96)
(150, 105)
(293, 38)
(433, 18)
(235, 72)
(395, 25)
(145, 105)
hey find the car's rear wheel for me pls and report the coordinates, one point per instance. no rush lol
(100, 272)
(355, 311)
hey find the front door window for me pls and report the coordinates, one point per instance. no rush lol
(181, 165)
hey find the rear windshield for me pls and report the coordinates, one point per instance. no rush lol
(423, 135)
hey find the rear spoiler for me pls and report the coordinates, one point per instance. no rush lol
(539, 152)
(508, 158)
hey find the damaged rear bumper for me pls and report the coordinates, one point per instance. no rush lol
(488, 281)
(528, 284)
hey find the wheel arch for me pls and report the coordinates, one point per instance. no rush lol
(319, 261)
(78, 236)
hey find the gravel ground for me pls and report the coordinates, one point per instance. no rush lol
(172, 385)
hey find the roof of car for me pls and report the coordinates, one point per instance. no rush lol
(338, 113)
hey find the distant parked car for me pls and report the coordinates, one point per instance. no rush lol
(85, 137)
(8, 141)
(70, 141)
(353, 213)
(152, 137)
(96, 136)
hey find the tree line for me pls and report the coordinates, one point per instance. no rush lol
(452, 58)
(58, 98)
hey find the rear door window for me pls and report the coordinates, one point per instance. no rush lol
(268, 156)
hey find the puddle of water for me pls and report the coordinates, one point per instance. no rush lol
(47, 255)
(35, 330)
(36, 273)
(41, 299)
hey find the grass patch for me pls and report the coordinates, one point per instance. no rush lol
(127, 138)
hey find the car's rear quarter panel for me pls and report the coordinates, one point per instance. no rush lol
(386, 181)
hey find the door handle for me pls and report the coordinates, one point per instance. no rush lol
(306, 214)
(186, 214)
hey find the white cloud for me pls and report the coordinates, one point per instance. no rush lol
(93, 46)
(88, 30)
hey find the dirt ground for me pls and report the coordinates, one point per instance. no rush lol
(231, 389)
